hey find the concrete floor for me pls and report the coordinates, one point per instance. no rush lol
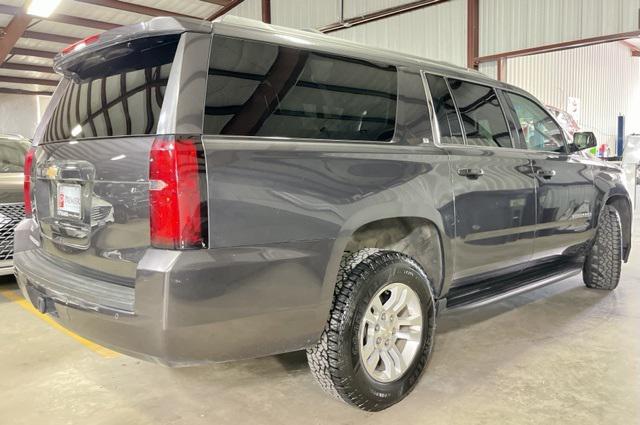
(559, 355)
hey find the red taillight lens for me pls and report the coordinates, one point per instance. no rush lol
(175, 197)
(81, 44)
(28, 162)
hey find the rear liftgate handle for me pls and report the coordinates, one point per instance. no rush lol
(471, 173)
(546, 174)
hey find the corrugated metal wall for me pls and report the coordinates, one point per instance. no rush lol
(437, 32)
(605, 78)
(18, 114)
(305, 13)
(353, 8)
(507, 25)
(251, 9)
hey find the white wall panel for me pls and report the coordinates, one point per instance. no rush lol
(605, 78)
(305, 13)
(507, 25)
(251, 9)
(489, 69)
(436, 32)
(18, 114)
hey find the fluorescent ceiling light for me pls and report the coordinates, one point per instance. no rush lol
(42, 8)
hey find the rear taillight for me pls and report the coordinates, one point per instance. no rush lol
(79, 45)
(177, 207)
(28, 162)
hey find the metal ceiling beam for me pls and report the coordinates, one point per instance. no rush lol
(27, 67)
(219, 2)
(64, 19)
(136, 8)
(381, 14)
(13, 32)
(566, 45)
(230, 5)
(635, 50)
(33, 52)
(81, 22)
(22, 80)
(55, 38)
(7, 90)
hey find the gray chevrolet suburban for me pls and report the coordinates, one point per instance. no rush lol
(203, 191)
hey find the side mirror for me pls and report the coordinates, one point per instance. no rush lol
(584, 140)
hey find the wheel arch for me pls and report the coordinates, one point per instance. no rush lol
(417, 237)
(404, 233)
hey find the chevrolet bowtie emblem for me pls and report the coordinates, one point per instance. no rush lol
(52, 172)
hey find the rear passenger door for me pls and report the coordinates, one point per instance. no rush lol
(566, 194)
(492, 181)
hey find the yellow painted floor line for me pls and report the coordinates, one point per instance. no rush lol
(16, 298)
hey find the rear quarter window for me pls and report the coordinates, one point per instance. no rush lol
(261, 89)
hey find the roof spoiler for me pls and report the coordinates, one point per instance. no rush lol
(153, 27)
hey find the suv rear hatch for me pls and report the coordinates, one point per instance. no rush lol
(91, 170)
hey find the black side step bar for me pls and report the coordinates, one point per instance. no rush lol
(483, 293)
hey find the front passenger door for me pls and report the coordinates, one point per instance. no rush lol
(566, 196)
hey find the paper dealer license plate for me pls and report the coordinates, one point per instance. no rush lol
(69, 201)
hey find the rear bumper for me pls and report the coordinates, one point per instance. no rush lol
(55, 292)
(188, 307)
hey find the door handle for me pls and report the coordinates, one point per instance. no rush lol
(546, 174)
(471, 173)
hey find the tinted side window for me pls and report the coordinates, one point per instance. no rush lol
(536, 127)
(482, 116)
(413, 124)
(450, 131)
(260, 89)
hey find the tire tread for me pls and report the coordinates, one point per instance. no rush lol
(604, 263)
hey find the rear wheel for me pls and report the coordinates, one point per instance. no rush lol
(379, 335)
(604, 263)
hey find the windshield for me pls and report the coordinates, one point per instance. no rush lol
(12, 152)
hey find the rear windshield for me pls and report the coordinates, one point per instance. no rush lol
(12, 153)
(116, 91)
(268, 90)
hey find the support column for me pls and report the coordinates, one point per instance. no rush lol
(473, 30)
(502, 69)
(266, 11)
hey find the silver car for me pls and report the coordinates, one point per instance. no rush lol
(12, 152)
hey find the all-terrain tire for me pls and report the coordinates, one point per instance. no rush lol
(335, 359)
(604, 262)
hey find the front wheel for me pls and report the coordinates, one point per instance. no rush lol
(379, 335)
(604, 263)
